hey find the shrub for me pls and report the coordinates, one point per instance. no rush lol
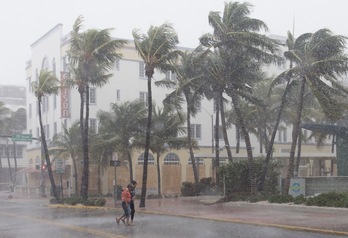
(189, 189)
(331, 199)
(280, 198)
(300, 199)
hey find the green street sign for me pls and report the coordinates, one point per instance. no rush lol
(22, 137)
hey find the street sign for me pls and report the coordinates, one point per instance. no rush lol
(60, 166)
(22, 137)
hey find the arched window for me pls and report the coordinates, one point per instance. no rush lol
(171, 158)
(45, 64)
(150, 161)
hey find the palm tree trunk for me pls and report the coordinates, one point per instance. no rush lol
(75, 175)
(147, 142)
(235, 101)
(47, 158)
(216, 163)
(224, 131)
(298, 158)
(158, 176)
(290, 171)
(189, 139)
(271, 142)
(15, 162)
(129, 156)
(9, 164)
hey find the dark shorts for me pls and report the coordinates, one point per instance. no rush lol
(126, 209)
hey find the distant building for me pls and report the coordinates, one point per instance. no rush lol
(14, 97)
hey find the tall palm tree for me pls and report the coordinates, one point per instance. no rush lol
(121, 126)
(157, 48)
(288, 86)
(189, 89)
(237, 34)
(68, 143)
(92, 55)
(319, 60)
(46, 85)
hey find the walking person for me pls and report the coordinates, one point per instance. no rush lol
(126, 199)
(132, 192)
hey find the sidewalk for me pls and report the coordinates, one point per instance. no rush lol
(286, 216)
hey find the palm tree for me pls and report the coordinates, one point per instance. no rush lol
(167, 126)
(46, 85)
(121, 126)
(236, 34)
(68, 143)
(290, 44)
(92, 55)
(319, 60)
(157, 49)
(188, 88)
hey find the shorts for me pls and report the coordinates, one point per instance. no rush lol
(126, 209)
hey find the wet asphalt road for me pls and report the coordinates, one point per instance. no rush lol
(34, 220)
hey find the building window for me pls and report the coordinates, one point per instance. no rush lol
(143, 98)
(117, 64)
(196, 131)
(55, 129)
(151, 159)
(38, 132)
(44, 64)
(282, 135)
(141, 69)
(118, 95)
(93, 125)
(171, 158)
(170, 76)
(92, 95)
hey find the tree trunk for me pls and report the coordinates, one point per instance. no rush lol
(224, 131)
(290, 171)
(271, 142)
(147, 142)
(129, 156)
(241, 122)
(159, 176)
(85, 172)
(192, 156)
(75, 175)
(47, 158)
(216, 163)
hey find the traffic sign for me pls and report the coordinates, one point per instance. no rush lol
(22, 137)
(60, 166)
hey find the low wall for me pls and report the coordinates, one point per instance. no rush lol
(317, 185)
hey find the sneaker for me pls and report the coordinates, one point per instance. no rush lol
(117, 221)
(123, 220)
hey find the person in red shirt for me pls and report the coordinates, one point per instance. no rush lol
(126, 199)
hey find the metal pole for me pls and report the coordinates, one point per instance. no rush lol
(212, 134)
(115, 187)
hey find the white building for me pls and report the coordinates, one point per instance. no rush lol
(127, 83)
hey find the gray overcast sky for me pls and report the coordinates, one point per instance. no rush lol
(23, 21)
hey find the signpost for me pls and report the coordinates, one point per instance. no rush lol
(60, 169)
(115, 163)
(22, 137)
